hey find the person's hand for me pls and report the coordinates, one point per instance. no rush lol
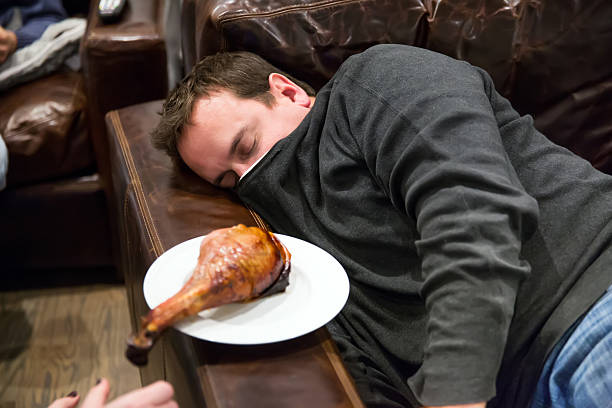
(156, 395)
(67, 402)
(476, 405)
(8, 44)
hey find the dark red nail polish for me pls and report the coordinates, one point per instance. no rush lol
(98, 381)
(72, 394)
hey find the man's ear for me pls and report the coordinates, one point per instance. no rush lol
(282, 87)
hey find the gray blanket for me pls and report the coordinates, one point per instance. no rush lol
(58, 43)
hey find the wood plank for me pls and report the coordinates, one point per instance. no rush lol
(56, 340)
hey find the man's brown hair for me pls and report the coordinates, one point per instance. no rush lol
(243, 73)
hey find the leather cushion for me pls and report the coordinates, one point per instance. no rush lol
(43, 124)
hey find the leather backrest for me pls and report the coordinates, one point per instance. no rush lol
(549, 57)
(308, 38)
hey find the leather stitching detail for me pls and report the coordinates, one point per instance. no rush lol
(145, 213)
(341, 373)
(258, 220)
(289, 9)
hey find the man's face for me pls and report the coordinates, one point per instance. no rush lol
(228, 134)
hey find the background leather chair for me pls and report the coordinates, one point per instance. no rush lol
(550, 58)
(54, 212)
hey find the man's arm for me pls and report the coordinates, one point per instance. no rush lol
(429, 136)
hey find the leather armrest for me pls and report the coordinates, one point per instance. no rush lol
(160, 205)
(124, 64)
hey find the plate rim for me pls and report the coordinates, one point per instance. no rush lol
(342, 297)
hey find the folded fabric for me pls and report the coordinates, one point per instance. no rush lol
(45, 55)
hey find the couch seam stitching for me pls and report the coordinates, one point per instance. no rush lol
(341, 372)
(137, 186)
(290, 9)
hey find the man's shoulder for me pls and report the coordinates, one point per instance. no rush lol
(396, 65)
(390, 55)
(394, 50)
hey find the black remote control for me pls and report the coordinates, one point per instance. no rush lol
(109, 11)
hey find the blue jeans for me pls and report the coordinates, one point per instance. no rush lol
(578, 372)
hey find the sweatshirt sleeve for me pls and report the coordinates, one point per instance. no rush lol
(36, 18)
(428, 135)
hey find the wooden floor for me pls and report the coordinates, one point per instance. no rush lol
(56, 340)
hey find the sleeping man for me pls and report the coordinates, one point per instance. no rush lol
(478, 252)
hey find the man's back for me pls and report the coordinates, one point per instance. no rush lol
(437, 198)
(569, 253)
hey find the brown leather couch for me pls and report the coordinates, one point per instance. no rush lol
(548, 57)
(54, 212)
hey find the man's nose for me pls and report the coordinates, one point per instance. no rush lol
(240, 168)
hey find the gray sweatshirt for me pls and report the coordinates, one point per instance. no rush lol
(471, 241)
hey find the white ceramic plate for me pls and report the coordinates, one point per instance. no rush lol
(318, 289)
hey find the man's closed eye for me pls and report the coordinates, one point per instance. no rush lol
(246, 150)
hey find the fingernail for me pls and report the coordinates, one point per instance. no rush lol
(98, 381)
(72, 394)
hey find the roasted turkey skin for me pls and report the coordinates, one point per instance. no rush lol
(235, 264)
